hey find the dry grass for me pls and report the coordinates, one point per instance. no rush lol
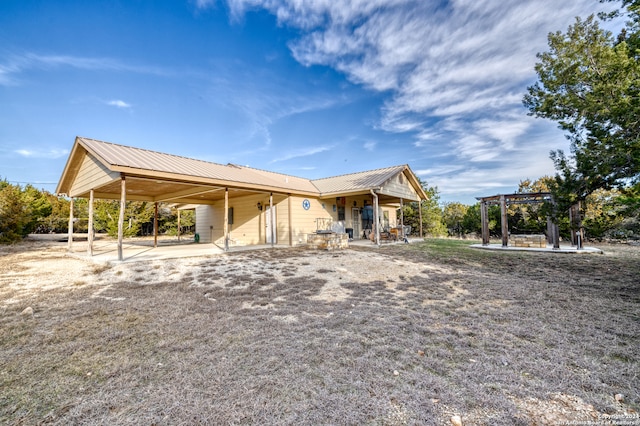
(407, 334)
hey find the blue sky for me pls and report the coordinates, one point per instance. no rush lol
(308, 88)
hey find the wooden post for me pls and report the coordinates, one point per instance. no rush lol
(178, 225)
(123, 205)
(580, 234)
(420, 215)
(504, 222)
(572, 226)
(290, 221)
(554, 226)
(556, 237)
(155, 225)
(376, 220)
(271, 219)
(484, 215)
(70, 231)
(226, 219)
(402, 217)
(90, 226)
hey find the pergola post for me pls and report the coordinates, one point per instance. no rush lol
(484, 215)
(556, 237)
(504, 221)
(155, 225)
(123, 204)
(70, 231)
(555, 228)
(226, 219)
(90, 226)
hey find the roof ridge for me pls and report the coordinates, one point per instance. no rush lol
(362, 171)
(234, 165)
(154, 151)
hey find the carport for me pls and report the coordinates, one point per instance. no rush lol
(100, 170)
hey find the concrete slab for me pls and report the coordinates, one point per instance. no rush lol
(142, 250)
(548, 249)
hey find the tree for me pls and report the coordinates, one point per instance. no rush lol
(453, 215)
(431, 213)
(14, 213)
(589, 82)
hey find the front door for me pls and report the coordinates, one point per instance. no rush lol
(355, 222)
(270, 219)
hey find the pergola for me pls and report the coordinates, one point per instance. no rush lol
(553, 234)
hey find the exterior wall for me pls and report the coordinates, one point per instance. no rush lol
(303, 221)
(91, 175)
(204, 219)
(249, 222)
(399, 186)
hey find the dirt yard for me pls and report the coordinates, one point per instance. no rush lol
(404, 334)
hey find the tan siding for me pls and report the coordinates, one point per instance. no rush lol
(395, 188)
(204, 219)
(304, 221)
(248, 220)
(92, 174)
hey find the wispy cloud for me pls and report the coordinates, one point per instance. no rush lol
(454, 72)
(305, 152)
(51, 153)
(14, 65)
(119, 104)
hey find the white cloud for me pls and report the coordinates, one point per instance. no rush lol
(370, 145)
(119, 104)
(305, 152)
(454, 74)
(16, 64)
(36, 153)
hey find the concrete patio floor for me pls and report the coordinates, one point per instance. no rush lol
(549, 249)
(105, 249)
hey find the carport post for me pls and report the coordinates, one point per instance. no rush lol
(155, 225)
(225, 227)
(90, 226)
(70, 231)
(123, 204)
(271, 219)
(290, 221)
(420, 215)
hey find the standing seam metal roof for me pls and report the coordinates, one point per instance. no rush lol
(357, 181)
(125, 156)
(144, 159)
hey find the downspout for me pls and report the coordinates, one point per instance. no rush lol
(376, 219)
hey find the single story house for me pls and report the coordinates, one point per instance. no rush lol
(239, 205)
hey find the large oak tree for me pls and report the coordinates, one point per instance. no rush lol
(589, 82)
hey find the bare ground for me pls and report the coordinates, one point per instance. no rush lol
(406, 334)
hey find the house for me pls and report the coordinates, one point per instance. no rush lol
(239, 205)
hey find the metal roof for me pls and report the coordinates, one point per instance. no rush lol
(366, 180)
(151, 168)
(143, 159)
